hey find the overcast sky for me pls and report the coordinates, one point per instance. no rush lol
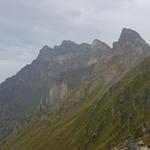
(27, 25)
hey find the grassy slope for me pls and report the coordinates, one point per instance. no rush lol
(115, 117)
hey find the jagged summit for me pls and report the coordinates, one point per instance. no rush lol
(129, 35)
(68, 43)
(131, 40)
(45, 49)
(97, 44)
(44, 52)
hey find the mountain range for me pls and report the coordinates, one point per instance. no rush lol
(80, 97)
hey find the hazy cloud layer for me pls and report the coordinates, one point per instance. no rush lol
(27, 25)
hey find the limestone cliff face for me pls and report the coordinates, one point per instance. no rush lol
(57, 93)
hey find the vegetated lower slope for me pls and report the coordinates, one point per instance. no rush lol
(120, 114)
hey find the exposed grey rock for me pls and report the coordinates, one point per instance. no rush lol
(98, 45)
(131, 41)
(131, 145)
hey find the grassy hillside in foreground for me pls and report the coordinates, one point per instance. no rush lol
(117, 116)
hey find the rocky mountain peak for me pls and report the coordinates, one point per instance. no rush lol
(129, 39)
(96, 41)
(99, 45)
(45, 49)
(67, 43)
(129, 35)
(44, 52)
